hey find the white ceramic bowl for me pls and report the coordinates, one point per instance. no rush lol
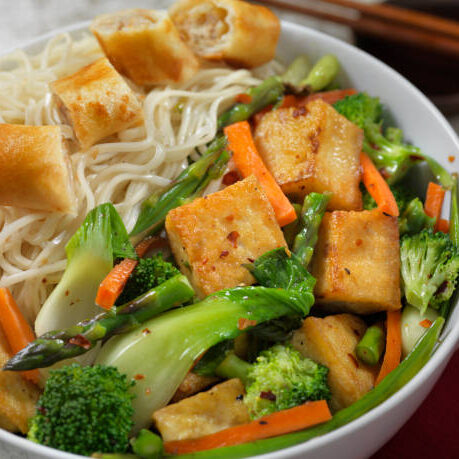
(423, 124)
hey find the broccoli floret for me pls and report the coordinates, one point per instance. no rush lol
(414, 219)
(279, 379)
(429, 268)
(149, 273)
(83, 410)
(393, 157)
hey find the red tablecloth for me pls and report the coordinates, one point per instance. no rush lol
(433, 431)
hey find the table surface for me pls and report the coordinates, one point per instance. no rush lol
(433, 430)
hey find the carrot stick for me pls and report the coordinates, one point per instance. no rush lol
(378, 187)
(393, 345)
(329, 96)
(249, 162)
(434, 202)
(17, 331)
(282, 422)
(442, 225)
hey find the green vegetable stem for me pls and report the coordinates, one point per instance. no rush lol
(148, 445)
(297, 71)
(71, 342)
(371, 346)
(322, 74)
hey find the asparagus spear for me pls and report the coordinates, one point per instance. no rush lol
(297, 71)
(187, 184)
(371, 346)
(311, 215)
(322, 74)
(58, 345)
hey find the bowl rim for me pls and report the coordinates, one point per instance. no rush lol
(447, 344)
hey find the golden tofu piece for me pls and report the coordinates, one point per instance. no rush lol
(17, 396)
(313, 148)
(357, 262)
(212, 237)
(331, 341)
(203, 414)
(192, 384)
(97, 102)
(145, 46)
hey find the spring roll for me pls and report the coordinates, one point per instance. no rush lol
(97, 102)
(145, 46)
(34, 169)
(240, 33)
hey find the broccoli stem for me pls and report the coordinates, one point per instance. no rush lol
(313, 210)
(233, 367)
(454, 215)
(148, 445)
(322, 74)
(371, 346)
(189, 183)
(55, 346)
(297, 71)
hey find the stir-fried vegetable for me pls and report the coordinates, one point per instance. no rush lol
(101, 238)
(391, 384)
(177, 338)
(371, 346)
(55, 346)
(279, 379)
(84, 410)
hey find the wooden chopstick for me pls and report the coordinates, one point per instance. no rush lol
(419, 35)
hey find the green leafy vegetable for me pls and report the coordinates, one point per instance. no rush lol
(90, 254)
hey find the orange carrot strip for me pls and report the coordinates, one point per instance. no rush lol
(289, 101)
(112, 286)
(393, 345)
(442, 225)
(434, 202)
(329, 96)
(243, 98)
(282, 422)
(249, 162)
(378, 187)
(17, 331)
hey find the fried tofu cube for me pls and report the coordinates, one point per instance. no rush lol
(313, 148)
(17, 396)
(203, 414)
(331, 341)
(357, 262)
(212, 237)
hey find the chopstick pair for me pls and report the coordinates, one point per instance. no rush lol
(383, 21)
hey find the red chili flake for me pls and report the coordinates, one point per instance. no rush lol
(354, 360)
(229, 218)
(348, 271)
(251, 260)
(81, 341)
(426, 323)
(139, 377)
(442, 288)
(67, 293)
(268, 396)
(146, 331)
(205, 261)
(451, 158)
(224, 254)
(230, 178)
(416, 158)
(299, 112)
(244, 98)
(244, 323)
(358, 242)
(43, 280)
(232, 237)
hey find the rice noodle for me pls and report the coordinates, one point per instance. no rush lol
(124, 170)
